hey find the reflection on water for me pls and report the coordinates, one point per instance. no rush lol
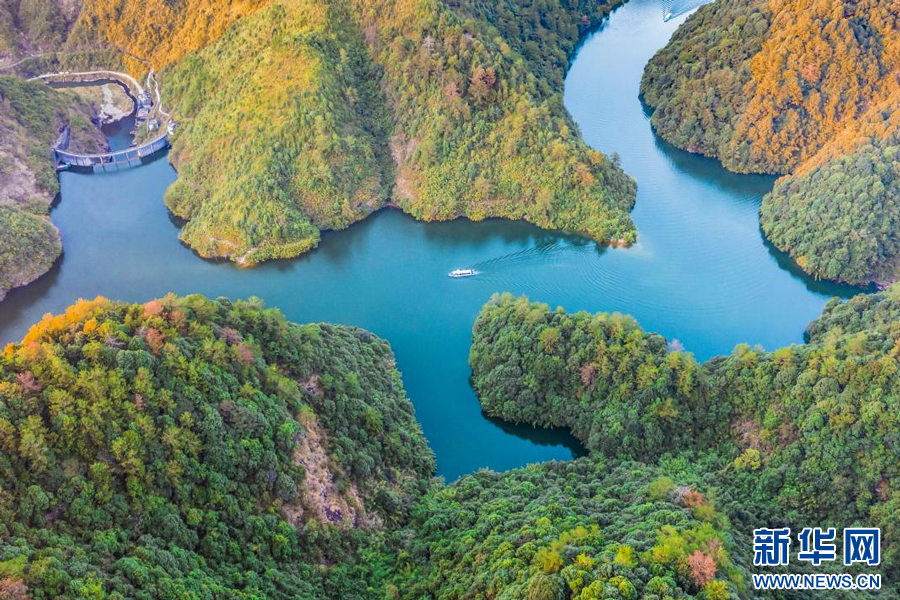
(700, 271)
(550, 436)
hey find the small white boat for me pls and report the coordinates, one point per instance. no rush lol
(460, 273)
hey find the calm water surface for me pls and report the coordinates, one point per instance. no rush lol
(700, 273)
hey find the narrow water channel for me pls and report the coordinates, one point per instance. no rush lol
(700, 273)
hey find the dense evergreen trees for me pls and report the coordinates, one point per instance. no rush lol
(696, 83)
(175, 449)
(798, 87)
(841, 220)
(163, 450)
(191, 448)
(619, 389)
(806, 431)
(582, 530)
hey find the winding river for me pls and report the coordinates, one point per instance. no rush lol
(700, 273)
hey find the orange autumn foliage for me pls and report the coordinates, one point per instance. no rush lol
(52, 325)
(702, 566)
(157, 32)
(823, 69)
(765, 85)
(807, 88)
(13, 589)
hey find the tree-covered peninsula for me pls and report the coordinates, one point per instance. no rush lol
(186, 448)
(301, 116)
(802, 88)
(32, 116)
(189, 448)
(801, 435)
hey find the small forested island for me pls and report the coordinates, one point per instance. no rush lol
(801, 88)
(210, 449)
(32, 115)
(303, 116)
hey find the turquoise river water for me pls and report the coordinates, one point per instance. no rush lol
(700, 272)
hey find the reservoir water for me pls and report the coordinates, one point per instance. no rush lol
(700, 271)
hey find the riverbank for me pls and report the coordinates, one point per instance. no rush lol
(111, 100)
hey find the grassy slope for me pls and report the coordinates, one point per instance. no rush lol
(803, 88)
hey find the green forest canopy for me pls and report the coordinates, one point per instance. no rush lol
(193, 448)
(209, 449)
(806, 432)
(200, 449)
(800, 88)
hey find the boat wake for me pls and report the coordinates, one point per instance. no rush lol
(676, 8)
(526, 270)
(546, 252)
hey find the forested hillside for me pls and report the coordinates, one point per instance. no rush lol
(807, 432)
(32, 115)
(209, 449)
(482, 132)
(303, 116)
(860, 313)
(628, 394)
(423, 106)
(188, 447)
(801, 88)
(155, 32)
(841, 220)
(265, 162)
(34, 26)
(584, 530)
(191, 448)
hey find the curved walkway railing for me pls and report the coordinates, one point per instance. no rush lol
(130, 82)
(112, 161)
